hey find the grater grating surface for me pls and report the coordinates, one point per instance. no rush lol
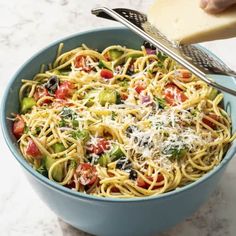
(198, 61)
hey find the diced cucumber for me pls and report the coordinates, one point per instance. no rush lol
(182, 153)
(27, 104)
(75, 123)
(90, 102)
(104, 160)
(213, 93)
(58, 171)
(58, 147)
(115, 54)
(81, 134)
(108, 96)
(90, 95)
(134, 55)
(116, 153)
(105, 64)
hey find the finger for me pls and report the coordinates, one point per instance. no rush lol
(216, 6)
(203, 3)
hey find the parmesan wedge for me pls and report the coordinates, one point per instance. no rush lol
(183, 21)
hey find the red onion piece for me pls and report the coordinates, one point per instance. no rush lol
(150, 51)
(145, 99)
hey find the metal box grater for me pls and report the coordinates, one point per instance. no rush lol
(199, 61)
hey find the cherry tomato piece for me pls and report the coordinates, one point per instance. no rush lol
(41, 92)
(173, 95)
(87, 174)
(65, 90)
(142, 184)
(184, 74)
(210, 123)
(107, 74)
(123, 96)
(100, 147)
(18, 127)
(140, 86)
(32, 149)
(80, 62)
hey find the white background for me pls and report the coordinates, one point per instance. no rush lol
(27, 26)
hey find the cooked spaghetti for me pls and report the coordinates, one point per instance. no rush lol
(121, 123)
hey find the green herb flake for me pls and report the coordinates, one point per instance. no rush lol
(176, 153)
(161, 102)
(113, 115)
(161, 58)
(81, 134)
(26, 129)
(67, 113)
(62, 123)
(73, 164)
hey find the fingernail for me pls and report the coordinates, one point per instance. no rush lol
(203, 4)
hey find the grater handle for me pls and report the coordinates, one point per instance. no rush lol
(100, 13)
(138, 30)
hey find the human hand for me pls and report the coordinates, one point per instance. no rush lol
(216, 6)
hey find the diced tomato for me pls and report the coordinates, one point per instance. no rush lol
(110, 174)
(142, 184)
(18, 127)
(70, 185)
(107, 74)
(123, 96)
(174, 95)
(115, 190)
(184, 74)
(32, 149)
(87, 174)
(210, 123)
(41, 92)
(140, 86)
(80, 62)
(100, 147)
(65, 90)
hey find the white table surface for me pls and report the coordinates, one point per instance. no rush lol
(27, 26)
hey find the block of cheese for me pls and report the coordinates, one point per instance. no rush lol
(183, 21)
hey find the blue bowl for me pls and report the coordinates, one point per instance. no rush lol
(106, 216)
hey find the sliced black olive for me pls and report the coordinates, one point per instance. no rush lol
(123, 164)
(130, 130)
(52, 84)
(133, 174)
(119, 165)
(129, 72)
(148, 144)
(136, 140)
(146, 44)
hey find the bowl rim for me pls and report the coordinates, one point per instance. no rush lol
(55, 186)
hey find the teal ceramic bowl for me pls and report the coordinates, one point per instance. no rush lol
(105, 216)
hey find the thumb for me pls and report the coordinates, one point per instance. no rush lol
(216, 6)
